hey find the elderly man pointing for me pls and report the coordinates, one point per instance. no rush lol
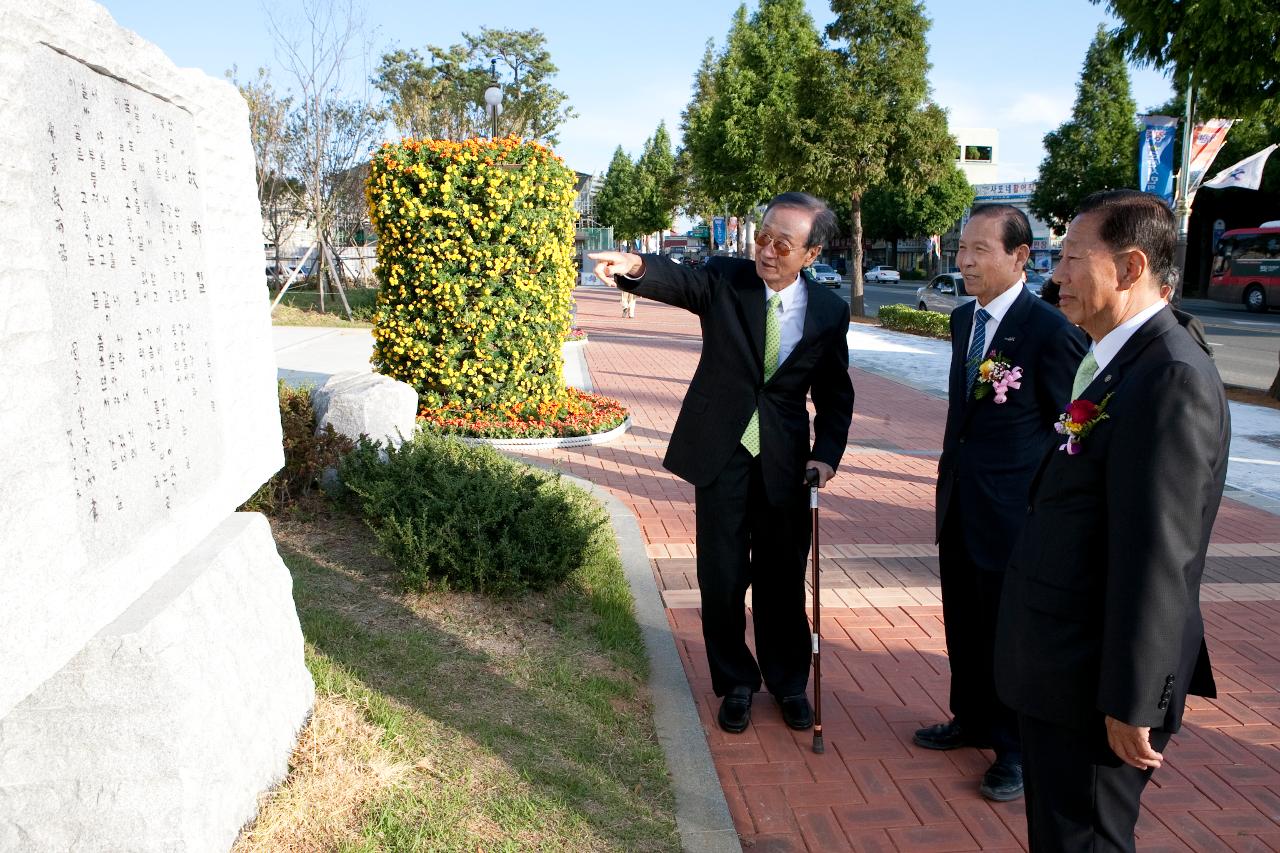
(770, 339)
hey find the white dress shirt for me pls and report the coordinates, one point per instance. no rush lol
(1106, 349)
(795, 301)
(997, 308)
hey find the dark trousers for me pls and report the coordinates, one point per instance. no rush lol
(970, 603)
(1080, 797)
(744, 541)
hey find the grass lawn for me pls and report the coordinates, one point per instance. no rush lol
(448, 721)
(302, 308)
(288, 315)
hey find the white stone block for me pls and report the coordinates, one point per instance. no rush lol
(137, 397)
(161, 732)
(358, 403)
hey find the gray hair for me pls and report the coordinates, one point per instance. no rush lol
(824, 228)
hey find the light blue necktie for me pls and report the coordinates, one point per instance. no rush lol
(976, 349)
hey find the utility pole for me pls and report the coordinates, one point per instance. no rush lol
(1183, 207)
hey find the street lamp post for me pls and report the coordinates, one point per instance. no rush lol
(493, 101)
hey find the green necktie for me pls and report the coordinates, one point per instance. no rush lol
(772, 344)
(1084, 375)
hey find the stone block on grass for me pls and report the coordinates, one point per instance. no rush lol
(358, 403)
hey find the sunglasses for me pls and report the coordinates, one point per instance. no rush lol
(782, 247)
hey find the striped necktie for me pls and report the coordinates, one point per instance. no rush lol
(772, 345)
(976, 349)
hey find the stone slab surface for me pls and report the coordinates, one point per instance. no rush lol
(160, 734)
(137, 399)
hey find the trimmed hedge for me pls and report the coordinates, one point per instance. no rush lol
(467, 518)
(475, 262)
(904, 318)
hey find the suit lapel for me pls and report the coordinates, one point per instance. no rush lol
(1106, 379)
(810, 332)
(1008, 340)
(750, 293)
(1110, 377)
(960, 348)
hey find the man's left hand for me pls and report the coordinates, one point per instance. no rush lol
(1132, 744)
(824, 471)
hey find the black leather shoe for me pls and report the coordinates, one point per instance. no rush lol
(944, 736)
(1002, 781)
(735, 709)
(796, 711)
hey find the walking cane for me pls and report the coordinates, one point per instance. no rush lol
(811, 477)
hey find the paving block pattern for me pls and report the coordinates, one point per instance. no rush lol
(884, 655)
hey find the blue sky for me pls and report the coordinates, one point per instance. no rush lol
(627, 67)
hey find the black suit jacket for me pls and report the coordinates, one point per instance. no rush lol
(729, 385)
(990, 451)
(1101, 606)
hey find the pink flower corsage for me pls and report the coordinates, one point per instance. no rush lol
(997, 376)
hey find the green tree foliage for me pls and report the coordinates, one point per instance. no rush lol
(740, 126)
(657, 183)
(863, 113)
(1096, 149)
(618, 201)
(1232, 47)
(891, 212)
(438, 93)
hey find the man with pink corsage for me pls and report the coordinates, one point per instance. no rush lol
(1012, 361)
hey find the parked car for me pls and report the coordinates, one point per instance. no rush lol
(826, 274)
(944, 294)
(1035, 280)
(882, 273)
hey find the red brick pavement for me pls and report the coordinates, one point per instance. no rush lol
(884, 657)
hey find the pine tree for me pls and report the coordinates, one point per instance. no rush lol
(739, 127)
(1097, 148)
(617, 203)
(656, 183)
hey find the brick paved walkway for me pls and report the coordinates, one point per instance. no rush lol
(884, 657)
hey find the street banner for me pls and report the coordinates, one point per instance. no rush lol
(1206, 141)
(1155, 160)
(1247, 174)
(718, 224)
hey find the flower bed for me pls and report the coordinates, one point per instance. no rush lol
(577, 413)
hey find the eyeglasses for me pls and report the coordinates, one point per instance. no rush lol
(782, 247)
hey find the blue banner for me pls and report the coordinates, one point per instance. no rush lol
(718, 224)
(1155, 161)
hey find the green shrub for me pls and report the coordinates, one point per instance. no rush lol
(461, 517)
(306, 455)
(904, 318)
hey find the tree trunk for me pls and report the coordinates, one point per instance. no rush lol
(1274, 390)
(750, 231)
(857, 302)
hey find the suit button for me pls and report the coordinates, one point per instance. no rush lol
(1030, 509)
(962, 441)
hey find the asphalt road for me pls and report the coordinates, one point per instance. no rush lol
(1245, 346)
